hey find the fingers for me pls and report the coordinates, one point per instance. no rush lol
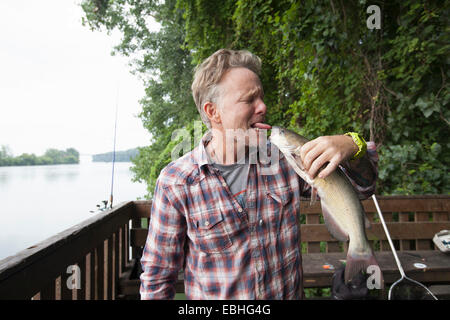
(317, 164)
(326, 152)
(332, 165)
(309, 152)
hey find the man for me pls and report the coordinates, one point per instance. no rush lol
(234, 228)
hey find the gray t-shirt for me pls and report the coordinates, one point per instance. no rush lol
(236, 176)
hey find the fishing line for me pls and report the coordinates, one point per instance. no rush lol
(114, 151)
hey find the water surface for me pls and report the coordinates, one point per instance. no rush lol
(37, 202)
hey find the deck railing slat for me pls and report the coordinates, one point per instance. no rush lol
(116, 267)
(422, 244)
(90, 287)
(80, 293)
(48, 292)
(100, 266)
(109, 269)
(58, 288)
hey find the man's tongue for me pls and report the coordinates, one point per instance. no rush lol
(261, 125)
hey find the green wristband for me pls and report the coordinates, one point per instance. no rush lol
(360, 142)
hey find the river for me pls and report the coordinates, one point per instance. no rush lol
(37, 202)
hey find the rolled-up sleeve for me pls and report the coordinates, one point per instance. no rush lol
(163, 254)
(363, 173)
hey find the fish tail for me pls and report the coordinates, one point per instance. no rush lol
(366, 264)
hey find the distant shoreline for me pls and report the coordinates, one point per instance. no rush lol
(121, 156)
(69, 156)
(51, 156)
(36, 164)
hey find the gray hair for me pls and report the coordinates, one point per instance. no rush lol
(205, 87)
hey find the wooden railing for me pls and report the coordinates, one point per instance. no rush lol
(83, 262)
(98, 250)
(412, 222)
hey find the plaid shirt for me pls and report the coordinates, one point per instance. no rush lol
(228, 252)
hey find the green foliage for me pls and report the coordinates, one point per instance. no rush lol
(51, 156)
(324, 72)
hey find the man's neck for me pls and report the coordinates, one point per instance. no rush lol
(225, 153)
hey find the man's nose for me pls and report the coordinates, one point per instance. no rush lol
(261, 107)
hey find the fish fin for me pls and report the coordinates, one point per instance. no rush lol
(333, 227)
(360, 263)
(298, 158)
(313, 196)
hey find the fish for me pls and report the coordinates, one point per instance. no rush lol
(342, 210)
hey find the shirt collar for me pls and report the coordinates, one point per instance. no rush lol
(202, 156)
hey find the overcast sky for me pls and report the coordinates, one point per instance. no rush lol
(59, 83)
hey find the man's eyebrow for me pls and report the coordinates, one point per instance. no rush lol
(252, 93)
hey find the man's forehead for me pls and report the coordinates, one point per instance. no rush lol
(243, 80)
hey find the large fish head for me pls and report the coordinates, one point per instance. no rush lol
(286, 140)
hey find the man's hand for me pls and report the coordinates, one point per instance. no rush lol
(326, 150)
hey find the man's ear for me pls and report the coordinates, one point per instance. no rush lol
(212, 112)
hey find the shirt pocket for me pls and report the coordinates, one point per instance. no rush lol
(210, 233)
(280, 209)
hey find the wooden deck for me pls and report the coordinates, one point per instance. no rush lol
(107, 247)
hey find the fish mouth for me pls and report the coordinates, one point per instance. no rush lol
(278, 138)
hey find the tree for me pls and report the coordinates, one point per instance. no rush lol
(324, 72)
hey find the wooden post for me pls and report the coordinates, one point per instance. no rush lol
(404, 244)
(90, 275)
(58, 288)
(135, 223)
(109, 263)
(422, 244)
(126, 250)
(116, 266)
(100, 271)
(81, 292)
(313, 247)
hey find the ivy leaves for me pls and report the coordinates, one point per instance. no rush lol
(324, 72)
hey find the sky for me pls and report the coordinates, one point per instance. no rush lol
(60, 85)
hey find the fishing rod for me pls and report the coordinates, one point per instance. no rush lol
(114, 152)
